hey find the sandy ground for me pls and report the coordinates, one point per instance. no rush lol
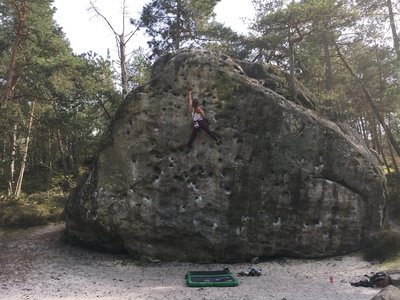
(39, 264)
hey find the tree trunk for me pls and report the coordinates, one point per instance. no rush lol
(396, 42)
(393, 158)
(177, 42)
(374, 129)
(385, 162)
(12, 160)
(50, 152)
(74, 160)
(121, 46)
(364, 130)
(3, 157)
(21, 8)
(124, 76)
(380, 144)
(371, 103)
(292, 78)
(18, 187)
(328, 65)
(62, 153)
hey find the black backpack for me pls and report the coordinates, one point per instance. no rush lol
(380, 279)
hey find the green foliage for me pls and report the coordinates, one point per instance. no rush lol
(35, 209)
(225, 87)
(393, 202)
(172, 24)
(384, 246)
(6, 24)
(227, 41)
(278, 22)
(75, 95)
(139, 69)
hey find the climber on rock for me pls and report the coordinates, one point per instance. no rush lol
(199, 121)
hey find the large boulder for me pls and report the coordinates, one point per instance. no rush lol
(285, 181)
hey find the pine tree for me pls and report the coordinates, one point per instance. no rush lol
(172, 24)
(59, 103)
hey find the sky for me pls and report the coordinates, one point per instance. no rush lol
(87, 32)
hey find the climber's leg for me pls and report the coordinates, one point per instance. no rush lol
(204, 126)
(192, 137)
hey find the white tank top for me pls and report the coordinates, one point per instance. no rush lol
(196, 116)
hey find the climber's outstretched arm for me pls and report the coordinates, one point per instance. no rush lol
(190, 101)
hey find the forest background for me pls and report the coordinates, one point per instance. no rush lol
(55, 105)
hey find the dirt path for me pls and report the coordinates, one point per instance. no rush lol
(38, 264)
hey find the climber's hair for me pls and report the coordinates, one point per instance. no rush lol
(195, 103)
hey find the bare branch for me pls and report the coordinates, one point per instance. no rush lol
(133, 32)
(123, 16)
(96, 10)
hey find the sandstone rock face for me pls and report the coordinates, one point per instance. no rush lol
(285, 181)
(388, 293)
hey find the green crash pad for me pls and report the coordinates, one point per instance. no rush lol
(211, 278)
